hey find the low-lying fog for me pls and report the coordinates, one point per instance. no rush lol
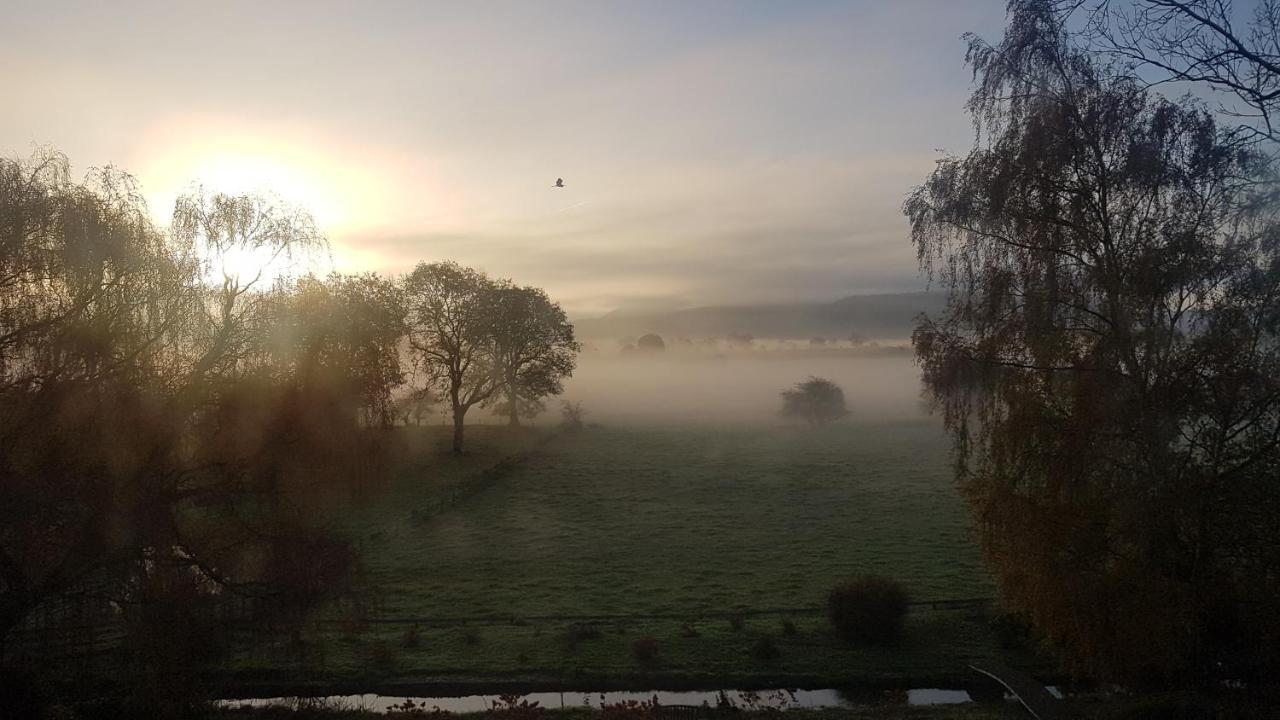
(881, 383)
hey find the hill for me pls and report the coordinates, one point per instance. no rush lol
(887, 316)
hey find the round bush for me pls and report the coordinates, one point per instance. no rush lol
(765, 650)
(645, 650)
(869, 610)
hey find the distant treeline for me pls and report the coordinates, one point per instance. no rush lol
(868, 317)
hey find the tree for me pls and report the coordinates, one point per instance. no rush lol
(131, 473)
(573, 416)
(88, 288)
(651, 342)
(237, 246)
(532, 349)
(414, 405)
(817, 401)
(451, 335)
(1107, 363)
(342, 332)
(1197, 41)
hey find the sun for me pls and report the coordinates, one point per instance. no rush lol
(353, 189)
(342, 187)
(305, 187)
(257, 267)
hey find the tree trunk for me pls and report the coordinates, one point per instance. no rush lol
(459, 417)
(512, 402)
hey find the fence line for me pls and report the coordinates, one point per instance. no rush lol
(495, 620)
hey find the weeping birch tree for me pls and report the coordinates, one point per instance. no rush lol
(1108, 363)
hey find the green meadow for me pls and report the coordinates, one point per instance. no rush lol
(540, 558)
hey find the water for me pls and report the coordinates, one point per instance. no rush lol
(781, 699)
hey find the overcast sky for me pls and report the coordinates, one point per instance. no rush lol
(732, 152)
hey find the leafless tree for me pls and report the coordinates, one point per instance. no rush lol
(1208, 42)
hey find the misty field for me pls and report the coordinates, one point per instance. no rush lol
(551, 566)
(682, 519)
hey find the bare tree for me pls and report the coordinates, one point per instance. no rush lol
(1207, 42)
(451, 335)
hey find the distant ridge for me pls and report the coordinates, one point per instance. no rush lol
(884, 316)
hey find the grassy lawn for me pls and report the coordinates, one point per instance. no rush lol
(699, 522)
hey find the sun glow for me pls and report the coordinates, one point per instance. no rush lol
(260, 267)
(343, 187)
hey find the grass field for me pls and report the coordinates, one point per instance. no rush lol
(691, 523)
(682, 519)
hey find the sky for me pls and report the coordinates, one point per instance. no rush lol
(713, 152)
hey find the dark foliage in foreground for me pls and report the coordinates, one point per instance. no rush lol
(1109, 360)
(869, 610)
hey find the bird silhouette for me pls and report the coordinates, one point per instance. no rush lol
(559, 182)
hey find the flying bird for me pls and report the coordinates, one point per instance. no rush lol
(559, 182)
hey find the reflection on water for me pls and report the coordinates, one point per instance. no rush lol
(783, 699)
(937, 696)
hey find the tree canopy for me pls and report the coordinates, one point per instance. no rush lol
(1108, 362)
(140, 417)
(533, 348)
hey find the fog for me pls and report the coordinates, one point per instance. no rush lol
(880, 384)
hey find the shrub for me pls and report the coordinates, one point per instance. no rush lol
(765, 650)
(1011, 630)
(513, 707)
(869, 610)
(645, 650)
(629, 709)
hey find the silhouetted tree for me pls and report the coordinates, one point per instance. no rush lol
(414, 405)
(1108, 361)
(240, 245)
(451, 335)
(532, 347)
(573, 416)
(651, 342)
(118, 363)
(817, 401)
(342, 332)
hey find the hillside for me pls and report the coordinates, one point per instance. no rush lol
(888, 316)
